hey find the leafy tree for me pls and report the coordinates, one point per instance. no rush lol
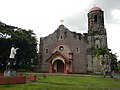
(24, 39)
(101, 54)
(27, 54)
(113, 62)
(119, 65)
(105, 56)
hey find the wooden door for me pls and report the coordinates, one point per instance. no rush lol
(60, 66)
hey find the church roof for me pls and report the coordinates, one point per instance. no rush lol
(95, 9)
(55, 54)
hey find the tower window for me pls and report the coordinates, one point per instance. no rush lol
(77, 50)
(97, 46)
(97, 43)
(46, 50)
(61, 37)
(95, 18)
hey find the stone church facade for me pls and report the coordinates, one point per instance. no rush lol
(65, 51)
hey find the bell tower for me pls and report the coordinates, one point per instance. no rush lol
(96, 21)
(96, 30)
(97, 37)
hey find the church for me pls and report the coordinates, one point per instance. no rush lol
(65, 51)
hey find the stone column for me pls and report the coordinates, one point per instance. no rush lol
(65, 71)
(51, 68)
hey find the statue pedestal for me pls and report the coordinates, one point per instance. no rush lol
(9, 73)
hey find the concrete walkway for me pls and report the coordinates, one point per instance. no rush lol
(117, 75)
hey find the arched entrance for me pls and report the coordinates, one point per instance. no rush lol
(59, 66)
(59, 63)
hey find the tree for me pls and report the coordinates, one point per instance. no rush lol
(24, 39)
(27, 43)
(119, 65)
(113, 62)
(107, 58)
(102, 54)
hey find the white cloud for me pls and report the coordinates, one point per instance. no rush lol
(116, 14)
(43, 16)
(113, 37)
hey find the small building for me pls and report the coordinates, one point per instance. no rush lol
(65, 51)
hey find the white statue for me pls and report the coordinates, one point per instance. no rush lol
(12, 57)
(13, 52)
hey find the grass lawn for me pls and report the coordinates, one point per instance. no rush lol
(67, 82)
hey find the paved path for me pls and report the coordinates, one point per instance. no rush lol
(116, 75)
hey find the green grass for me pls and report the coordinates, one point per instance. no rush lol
(67, 82)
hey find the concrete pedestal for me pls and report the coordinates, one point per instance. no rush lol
(9, 73)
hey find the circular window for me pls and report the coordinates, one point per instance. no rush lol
(61, 48)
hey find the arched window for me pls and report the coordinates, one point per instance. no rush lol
(46, 50)
(95, 18)
(61, 37)
(77, 49)
(97, 43)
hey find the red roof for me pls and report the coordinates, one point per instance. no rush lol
(95, 9)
